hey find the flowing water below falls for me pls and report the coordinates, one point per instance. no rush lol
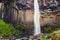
(37, 28)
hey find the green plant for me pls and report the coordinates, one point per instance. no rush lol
(7, 30)
(25, 26)
(57, 28)
(58, 38)
(47, 29)
(50, 29)
(49, 36)
(43, 37)
(2, 22)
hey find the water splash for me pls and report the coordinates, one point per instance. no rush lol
(36, 18)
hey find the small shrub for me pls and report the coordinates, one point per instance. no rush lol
(7, 30)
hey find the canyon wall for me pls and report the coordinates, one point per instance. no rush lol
(27, 16)
(46, 18)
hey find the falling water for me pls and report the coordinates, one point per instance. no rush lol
(36, 18)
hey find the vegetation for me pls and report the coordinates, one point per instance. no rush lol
(7, 30)
(50, 29)
(25, 26)
(53, 36)
(58, 37)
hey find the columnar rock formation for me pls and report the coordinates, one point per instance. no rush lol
(46, 18)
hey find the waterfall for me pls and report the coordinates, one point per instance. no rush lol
(37, 29)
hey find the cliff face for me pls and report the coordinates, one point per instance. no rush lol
(27, 16)
(46, 18)
(50, 18)
(1, 9)
(24, 16)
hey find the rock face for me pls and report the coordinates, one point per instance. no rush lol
(46, 18)
(50, 18)
(1, 10)
(27, 17)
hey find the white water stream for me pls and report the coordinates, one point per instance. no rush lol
(37, 29)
